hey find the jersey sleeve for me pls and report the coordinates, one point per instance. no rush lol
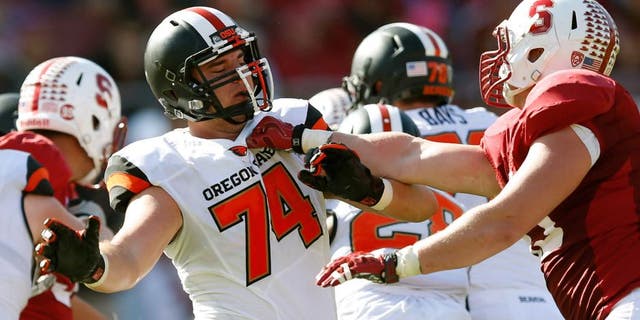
(124, 180)
(37, 179)
(565, 98)
(47, 155)
(299, 111)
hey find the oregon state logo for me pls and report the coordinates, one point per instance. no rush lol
(240, 151)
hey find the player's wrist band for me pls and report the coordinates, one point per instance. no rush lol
(313, 138)
(408, 262)
(385, 198)
(102, 276)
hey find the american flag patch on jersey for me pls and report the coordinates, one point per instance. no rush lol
(591, 64)
(416, 68)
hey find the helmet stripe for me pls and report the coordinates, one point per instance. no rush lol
(385, 117)
(206, 22)
(433, 45)
(38, 85)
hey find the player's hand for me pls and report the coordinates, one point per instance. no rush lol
(378, 266)
(72, 253)
(337, 169)
(274, 133)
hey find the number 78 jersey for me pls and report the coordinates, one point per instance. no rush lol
(253, 237)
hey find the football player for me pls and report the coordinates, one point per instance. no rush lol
(559, 166)
(72, 105)
(419, 81)
(246, 236)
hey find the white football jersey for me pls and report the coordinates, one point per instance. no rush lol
(359, 230)
(19, 174)
(253, 237)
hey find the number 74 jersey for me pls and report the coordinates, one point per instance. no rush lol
(253, 236)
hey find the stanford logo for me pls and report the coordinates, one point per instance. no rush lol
(576, 58)
(240, 151)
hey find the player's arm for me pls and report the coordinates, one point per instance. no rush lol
(152, 219)
(338, 172)
(554, 167)
(416, 203)
(412, 160)
(394, 155)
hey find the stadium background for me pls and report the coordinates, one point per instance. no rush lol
(309, 46)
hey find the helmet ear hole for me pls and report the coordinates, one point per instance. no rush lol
(96, 123)
(535, 54)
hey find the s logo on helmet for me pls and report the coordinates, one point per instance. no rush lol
(543, 23)
(104, 85)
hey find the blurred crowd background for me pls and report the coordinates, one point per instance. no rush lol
(309, 45)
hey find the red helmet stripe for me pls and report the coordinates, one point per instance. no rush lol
(435, 44)
(385, 117)
(38, 85)
(212, 18)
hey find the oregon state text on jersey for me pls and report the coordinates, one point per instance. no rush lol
(252, 236)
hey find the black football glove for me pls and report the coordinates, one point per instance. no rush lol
(337, 169)
(72, 253)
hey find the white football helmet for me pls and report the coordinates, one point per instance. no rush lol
(544, 36)
(75, 96)
(334, 104)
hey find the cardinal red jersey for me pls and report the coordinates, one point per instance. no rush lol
(589, 244)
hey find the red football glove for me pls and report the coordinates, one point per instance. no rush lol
(274, 133)
(72, 253)
(376, 266)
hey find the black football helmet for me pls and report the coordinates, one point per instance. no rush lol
(8, 111)
(408, 60)
(189, 38)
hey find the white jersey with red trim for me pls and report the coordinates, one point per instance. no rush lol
(360, 230)
(513, 276)
(19, 174)
(253, 237)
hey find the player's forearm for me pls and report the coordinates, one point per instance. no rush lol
(385, 153)
(411, 202)
(122, 272)
(477, 235)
